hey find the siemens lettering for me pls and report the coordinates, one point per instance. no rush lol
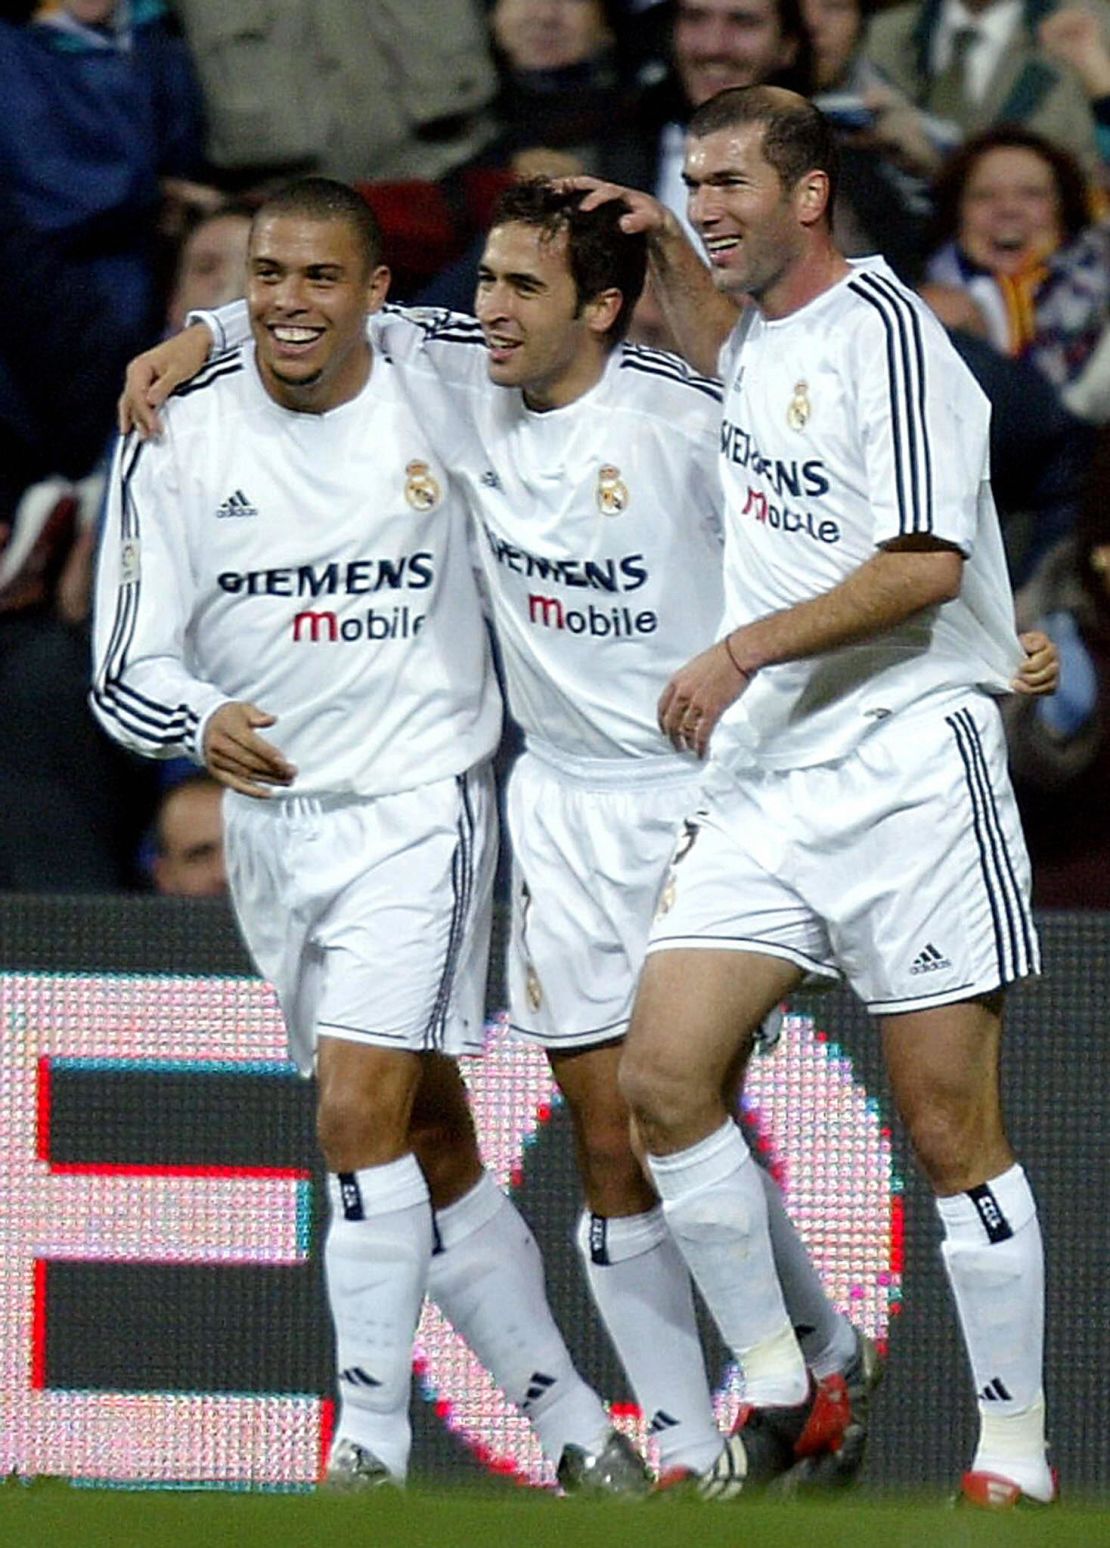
(628, 572)
(413, 572)
(807, 478)
(598, 622)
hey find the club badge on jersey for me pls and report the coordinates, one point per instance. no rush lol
(798, 410)
(422, 490)
(612, 491)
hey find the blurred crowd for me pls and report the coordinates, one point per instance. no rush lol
(138, 135)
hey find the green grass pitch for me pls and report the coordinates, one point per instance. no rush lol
(56, 1515)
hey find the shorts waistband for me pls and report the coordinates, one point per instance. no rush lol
(606, 773)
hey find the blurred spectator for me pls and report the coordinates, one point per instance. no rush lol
(352, 89)
(101, 121)
(189, 840)
(1059, 747)
(1019, 260)
(974, 63)
(561, 90)
(211, 264)
(1072, 36)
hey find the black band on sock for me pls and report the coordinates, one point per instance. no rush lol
(599, 1243)
(995, 1224)
(351, 1194)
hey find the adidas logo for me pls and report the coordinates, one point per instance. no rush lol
(995, 1391)
(929, 960)
(537, 1386)
(490, 479)
(237, 505)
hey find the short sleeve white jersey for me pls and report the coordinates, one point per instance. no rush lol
(316, 565)
(599, 530)
(848, 424)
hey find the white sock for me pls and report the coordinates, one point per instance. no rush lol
(486, 1277)
(715, 1207)
(641, 1287)
(376, 1255)
(994, 1258)
(827, 1338)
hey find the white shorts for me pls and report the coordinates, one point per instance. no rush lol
(589, 854)
(370, 917)
(902, 866)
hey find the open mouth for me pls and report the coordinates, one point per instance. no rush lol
(500, 348)
(717, 248)
(291, 340)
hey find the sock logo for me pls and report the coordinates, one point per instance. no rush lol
(599, 1244)
(538, 1384)
(351, 1195)
(994, 1391)
(355, 1376)
(661, 1420)
(995, 1224)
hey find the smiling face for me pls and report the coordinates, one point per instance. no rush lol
(1010, 210)
(748, 222)
(719, 43)
(309, 289)
(540, 338)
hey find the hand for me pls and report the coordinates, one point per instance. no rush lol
(154, 374)
(1040, 671)
(643, 213)
(238, 757)
(698, 695)
(1073, 36)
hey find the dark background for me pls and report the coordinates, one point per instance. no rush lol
(135, 1327)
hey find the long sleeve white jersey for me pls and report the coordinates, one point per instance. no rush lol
(847, 424)
(598, 526)
(317, 565)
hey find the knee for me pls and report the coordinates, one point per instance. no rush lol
(661, 1097)
(956, 1144)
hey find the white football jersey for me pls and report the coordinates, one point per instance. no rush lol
(599, 532)
(317, 565)
(598, 524)
(847, 424)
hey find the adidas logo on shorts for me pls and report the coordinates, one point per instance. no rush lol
(929, 960)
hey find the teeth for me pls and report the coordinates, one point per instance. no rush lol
(295, 335)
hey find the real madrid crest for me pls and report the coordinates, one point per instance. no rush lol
(612, 491)
(798, 410)
(533, 988)
(421, 489)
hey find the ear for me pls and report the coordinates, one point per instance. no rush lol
(377, 288)
(602, 311)
(811, 197)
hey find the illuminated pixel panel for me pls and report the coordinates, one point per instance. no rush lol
(101, 1235)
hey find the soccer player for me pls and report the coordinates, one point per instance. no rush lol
(292, 554)
(857, 814)
(592, 478)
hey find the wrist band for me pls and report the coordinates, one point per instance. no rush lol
(732, 658)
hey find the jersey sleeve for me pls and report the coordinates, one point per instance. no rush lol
(143, 694)
(230, 325)
(921, 420)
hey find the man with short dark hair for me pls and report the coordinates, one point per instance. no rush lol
(293, 553)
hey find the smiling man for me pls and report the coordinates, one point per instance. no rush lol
(857, 815)
(292, 553)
